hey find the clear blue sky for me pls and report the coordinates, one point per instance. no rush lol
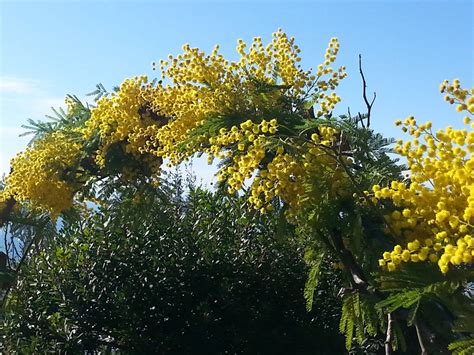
(49, 49)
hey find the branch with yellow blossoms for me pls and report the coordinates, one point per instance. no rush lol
(148, 123)
(434, 215)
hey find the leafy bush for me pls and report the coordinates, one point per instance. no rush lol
(159, 272)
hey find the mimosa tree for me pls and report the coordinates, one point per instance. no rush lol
(271, 125)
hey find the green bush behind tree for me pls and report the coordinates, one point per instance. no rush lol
(172, 270)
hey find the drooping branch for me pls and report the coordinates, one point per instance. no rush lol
(364, 94)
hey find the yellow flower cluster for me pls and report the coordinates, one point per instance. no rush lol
(291, 176)
(435, 214)
(37, 173)
(284, 175)
(328, 102)
(463, 98)
(204, 86)
(123, 117)
(245, 145)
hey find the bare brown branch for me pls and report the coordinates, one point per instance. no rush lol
(364, 93)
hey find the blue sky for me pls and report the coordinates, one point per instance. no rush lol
(52, 48)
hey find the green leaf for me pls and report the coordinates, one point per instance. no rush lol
(463, 346)
(412, 314)
(312, 281)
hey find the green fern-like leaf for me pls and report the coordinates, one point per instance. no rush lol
(359, 318)
(463, 346)
(312, 281)
(400, 300)
(347, 323)
(99, 92)
(398, 341)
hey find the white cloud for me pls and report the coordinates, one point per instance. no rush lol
(25, 97)
(12, 85)
(20, 99)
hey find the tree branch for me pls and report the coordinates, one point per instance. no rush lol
(33, 242)
(388, 339)
(359, 280)
(364, 93)
(5, 241)
(420, 339)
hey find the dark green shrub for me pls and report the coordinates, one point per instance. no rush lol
(156, 272)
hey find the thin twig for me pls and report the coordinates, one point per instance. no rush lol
(34, 241)
(7, 252)
(15, 249)
(388, 339)
(361, 119)
(420, 339)
(364, 93)
(358, 280)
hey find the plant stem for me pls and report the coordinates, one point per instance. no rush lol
(34, 241)
(388, 339)
(420, 339)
